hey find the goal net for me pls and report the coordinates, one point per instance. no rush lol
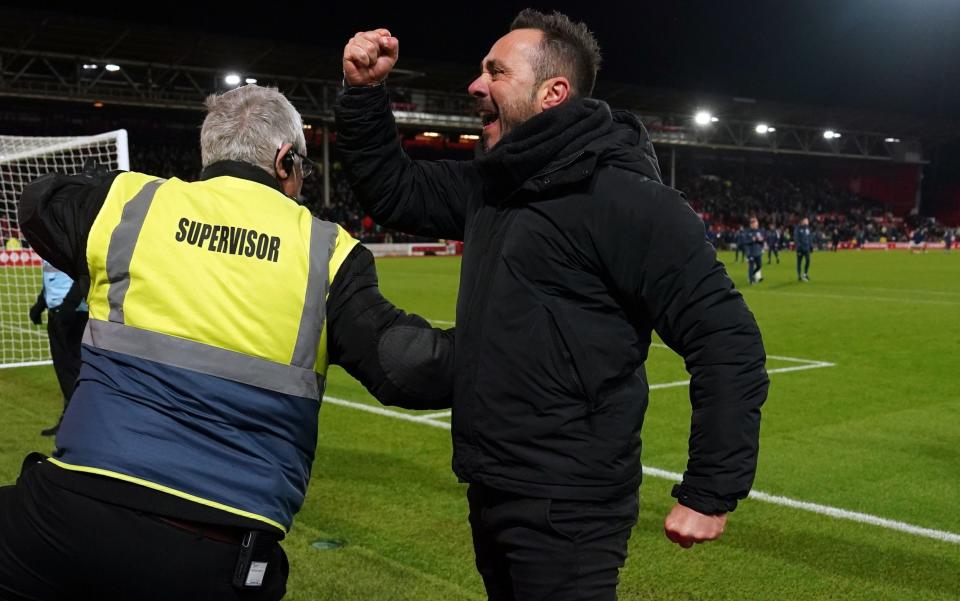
(22, 160)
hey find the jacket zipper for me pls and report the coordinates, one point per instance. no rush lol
(488, 264)
(573, 160)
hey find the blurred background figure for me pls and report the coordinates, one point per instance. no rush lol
(66, 309)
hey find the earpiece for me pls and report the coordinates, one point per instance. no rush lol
(287, 163)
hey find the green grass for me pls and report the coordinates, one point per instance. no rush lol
(876, 433)
(18, 291)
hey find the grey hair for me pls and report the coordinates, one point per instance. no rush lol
(249, 124)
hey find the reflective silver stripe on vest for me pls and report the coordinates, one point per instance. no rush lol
(122, 242)
(323, 239)
(203, 358)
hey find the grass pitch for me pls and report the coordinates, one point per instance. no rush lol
(871, 424)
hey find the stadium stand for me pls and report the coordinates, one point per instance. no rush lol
(727, 203)
(156, 93)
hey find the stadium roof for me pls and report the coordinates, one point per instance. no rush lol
(104, 40)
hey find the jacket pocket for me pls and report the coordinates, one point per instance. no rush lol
(573, 373)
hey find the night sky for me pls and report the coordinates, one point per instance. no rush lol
(890, 55)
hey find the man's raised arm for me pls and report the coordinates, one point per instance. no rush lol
(427, 198)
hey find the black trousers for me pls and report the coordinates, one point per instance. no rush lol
(65, 331)
(530, 549)
(803, 256)
(57, 544)
(754, 264)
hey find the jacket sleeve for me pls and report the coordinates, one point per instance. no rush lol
(75, 295)
(397, 356)
(56, 213)
(41, 301)
(427, 198)
(656, 253)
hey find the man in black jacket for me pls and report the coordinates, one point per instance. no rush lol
(574, 253)
(754, 236)
(803, 241)
(774, 239)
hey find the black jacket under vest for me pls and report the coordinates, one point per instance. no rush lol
(574, 253)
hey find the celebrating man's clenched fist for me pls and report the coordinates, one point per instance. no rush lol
(687, 527)
(369, 57)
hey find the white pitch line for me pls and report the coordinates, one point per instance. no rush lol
(784, 370)
(668, 384)
(756, 495)
(900, 290)
(442, 322)
(26, 364)
(856, 516)
(804, 361)
(807, 364)
(810, 362)
(903, 301)
(770, 372)
(827, 510)
(419, 419)
(437, 415)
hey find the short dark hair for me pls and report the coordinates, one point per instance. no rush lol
(568, 49)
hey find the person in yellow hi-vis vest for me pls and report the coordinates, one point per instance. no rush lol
(215, 308)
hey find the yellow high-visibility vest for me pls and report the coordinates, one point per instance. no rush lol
(205, 353)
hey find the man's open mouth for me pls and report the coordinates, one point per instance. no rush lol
(488, 118)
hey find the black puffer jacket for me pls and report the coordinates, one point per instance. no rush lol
(574, 252)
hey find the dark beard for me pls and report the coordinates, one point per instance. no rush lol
(551, 135)
(522, 111)
(481, 147)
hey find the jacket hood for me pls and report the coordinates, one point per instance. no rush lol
(627, 146)
(566, 144)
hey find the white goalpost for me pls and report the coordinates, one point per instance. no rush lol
(22, 160)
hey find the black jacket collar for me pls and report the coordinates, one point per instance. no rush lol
(563, 145)
(241, 170)
(544, 143)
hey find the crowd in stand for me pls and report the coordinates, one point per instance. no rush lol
(184, 162)
(838, 216)
(346, 211)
